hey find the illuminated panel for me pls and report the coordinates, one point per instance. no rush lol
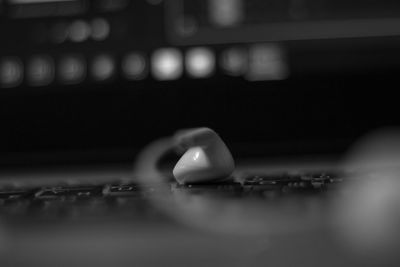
(230, 21)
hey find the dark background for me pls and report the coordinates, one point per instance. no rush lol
(338, 90)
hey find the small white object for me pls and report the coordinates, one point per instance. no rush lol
(206, 157)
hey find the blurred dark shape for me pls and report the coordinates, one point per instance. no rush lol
(276, 77)
(369, 215)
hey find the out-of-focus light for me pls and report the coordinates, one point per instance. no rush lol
(267, 62)
(79, 31)
(100, 29)
(225, 13)
(40, 71)
(200, 62)
(186, 25)
(11, 72)
(72, 69)
(234, 61)
(102, 67)
(166, 64)
(134, 66)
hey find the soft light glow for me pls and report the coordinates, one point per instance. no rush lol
(200, 62)
(234, 61)
(72, 69)
(40, 71)
(167, 64)
(79, 31)
(100, 29)
(225, 13)
(11, 72)
(267, 62)
(103, 67)
(134, 66)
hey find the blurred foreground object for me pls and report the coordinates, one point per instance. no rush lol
(369, 213)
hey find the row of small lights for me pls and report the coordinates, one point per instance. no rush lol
(260, 62)
(98, 29)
